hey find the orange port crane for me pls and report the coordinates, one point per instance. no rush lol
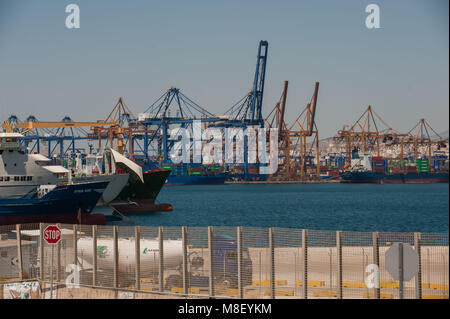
(419, 136)
(366, 132)
(305, 126)
(120, 114)
(276, 120)
(127, 127)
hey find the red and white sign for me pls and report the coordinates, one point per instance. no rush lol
(52, 234)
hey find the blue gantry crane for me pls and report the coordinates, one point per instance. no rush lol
(248, 110)
(148, 134)
(171, 110)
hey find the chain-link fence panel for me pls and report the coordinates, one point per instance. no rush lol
(231, 262)
(357, 254)
(106, 274)
(149, 258)
(322, 264)
(197, 256)
(256, 257)
(86, 254)
(172, 264)
(225, 261)
(126, 242)
(287, 263)
(9, 254)
(389, 287)
(435, 265)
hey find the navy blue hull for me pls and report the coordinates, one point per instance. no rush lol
(399, 178)
(63, 204)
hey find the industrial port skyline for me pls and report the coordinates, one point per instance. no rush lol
(140, 55)
(183, 150)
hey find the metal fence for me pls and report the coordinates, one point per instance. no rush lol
(223, 262)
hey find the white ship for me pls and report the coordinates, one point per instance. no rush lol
(21, 172)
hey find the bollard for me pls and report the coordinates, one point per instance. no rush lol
(339, 263)
(161, 258)
(418, 279)
(305, 262)
(19, 251)
(211, 260)
(137, 254)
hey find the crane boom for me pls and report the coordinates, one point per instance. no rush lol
(283, 106)
(36, 125)
(313, 111)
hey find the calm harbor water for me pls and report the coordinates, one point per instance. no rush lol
(364, 207)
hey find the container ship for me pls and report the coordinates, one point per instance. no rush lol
(367, 169)
(194, 174)
(254, 173)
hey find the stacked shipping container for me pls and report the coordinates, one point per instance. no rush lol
(378, 164)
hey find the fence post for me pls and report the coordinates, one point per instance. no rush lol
(211, 260)
(185, 260)
(400, 269)
(19, 251)
(376, 261)
(272, 263)
(41, 249)
(116, 256)
(305, 262)
(58, 257)
(419, 274)
(161, 258)
(239, 261)
(94, 255)
(339, 263)
(75, 245)
(137, 253)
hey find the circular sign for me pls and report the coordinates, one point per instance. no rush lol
(52, 234)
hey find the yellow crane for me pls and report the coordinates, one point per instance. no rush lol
(30, 125)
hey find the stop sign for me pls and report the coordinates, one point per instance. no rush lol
(410, 262)
(52, 234)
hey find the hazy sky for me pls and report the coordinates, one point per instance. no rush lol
(138, 49)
